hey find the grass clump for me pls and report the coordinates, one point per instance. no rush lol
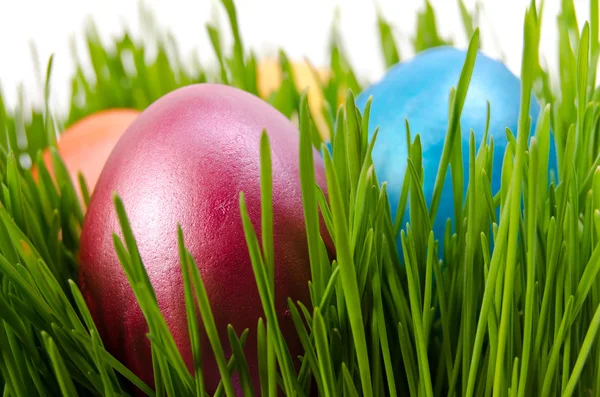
(519, 320)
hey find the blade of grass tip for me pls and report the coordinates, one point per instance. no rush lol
(401, 207)
(515, 378)
(530, 48)
(85, 193)
(581, 87)
(132, 248)
(327, 218)
(427, 33)
(365, 259)
(240, 361)
(469, 314)
(395, 289)
(457, 363)
(595, 43)
(550, 370)
(330, 289)
(378, 312)
(67, 387)
(348, 275)
(49, 196)
(309, 351)
(361, 203)
(588, 279)
(419, 219)
(406, 349)
(543, 140)
(36, 65)
(64, 182)
(238, 48)
(457, 179)
(365, 183)
(88, 320)
(266, 185)
(52, 133)
(42, 389)
(261, 344)
(303, 376)
(364, 138)
(555, 242)
(106, 381)
(161, 382)
(467, 18)
(209, 324)
(531, 265)
(231, 365)
(251, 74)
(309, 199)
(323, 354)
(215, 39)
(428, 286)
(421, 345)
(13, 180)
(349, 386)
(45, 285)
(440, 288)
(306, 314)
(454, 120)
(586, 347)
(11, 318)
(142, 287)
(353, 140)
(389, 49)
(568, 344)
(192, 318)
(273, 330)
(9, 364)
(339, 149)
(162, 370)
(43, 312)
(488, 297)
(376, 367)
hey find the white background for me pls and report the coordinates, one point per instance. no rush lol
(301, 27)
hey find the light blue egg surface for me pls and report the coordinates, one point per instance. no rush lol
(418, 90)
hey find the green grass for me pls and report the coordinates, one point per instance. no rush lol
(521, 320)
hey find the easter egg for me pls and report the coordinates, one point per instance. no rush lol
(418, 90)
(270, 76)
(85, 145)
(185, 160)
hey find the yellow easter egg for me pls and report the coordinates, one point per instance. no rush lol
(305, 77)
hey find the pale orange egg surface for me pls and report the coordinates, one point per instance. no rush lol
(86, 145)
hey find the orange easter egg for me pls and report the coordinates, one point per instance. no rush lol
(86, 145)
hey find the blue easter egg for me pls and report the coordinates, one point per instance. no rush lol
(418, 90)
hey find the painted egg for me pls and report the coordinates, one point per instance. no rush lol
(185, 160)
(418, 90)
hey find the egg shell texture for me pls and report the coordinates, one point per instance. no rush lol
(185, 160)
(418, 90)
(85, 145)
